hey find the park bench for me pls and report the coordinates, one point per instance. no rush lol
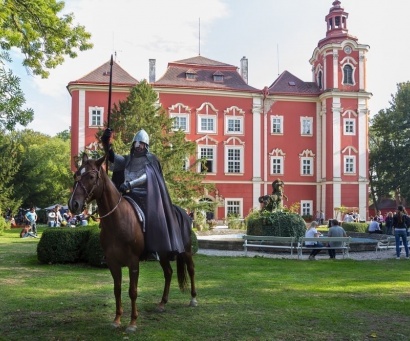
(325, 242)
(389, 243)
(269, 242)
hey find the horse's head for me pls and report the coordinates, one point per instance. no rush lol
(87, 180)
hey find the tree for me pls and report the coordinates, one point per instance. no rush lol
(9, 167)
(44, 38)
(389, 145)
(44, 177)
(141, 111)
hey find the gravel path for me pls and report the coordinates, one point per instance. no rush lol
(389, 254)
(222, 233)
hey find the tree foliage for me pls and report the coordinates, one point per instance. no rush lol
(44, 177)
(141, 111)
(389, 141)
(44, 37)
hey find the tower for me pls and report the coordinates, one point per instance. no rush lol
(339, 69)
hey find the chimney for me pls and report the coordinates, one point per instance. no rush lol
(152, 70)
(244, 69)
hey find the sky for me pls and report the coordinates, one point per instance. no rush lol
(275, 35)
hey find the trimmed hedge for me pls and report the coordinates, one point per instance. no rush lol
(355, 227)
(82, 244)
(280, 224)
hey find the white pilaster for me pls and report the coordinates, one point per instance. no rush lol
(335, 69)
(257, 150)
(81, 120)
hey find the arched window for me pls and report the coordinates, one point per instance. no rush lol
(320, 80)
(347, 74)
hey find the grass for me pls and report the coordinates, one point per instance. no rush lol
(239, 299)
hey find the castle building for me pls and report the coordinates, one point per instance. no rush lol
(311, 135)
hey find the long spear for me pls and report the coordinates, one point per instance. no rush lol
(109, 104)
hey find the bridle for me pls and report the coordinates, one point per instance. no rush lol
(89, 194)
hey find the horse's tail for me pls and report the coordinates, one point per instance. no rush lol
(182, 272)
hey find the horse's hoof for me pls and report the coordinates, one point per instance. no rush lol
(115, 325)
(160, 308)
(131, 329)
(193, 303)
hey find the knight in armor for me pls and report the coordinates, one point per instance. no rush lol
(141, 178)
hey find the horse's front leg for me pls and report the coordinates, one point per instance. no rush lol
(191, 272)
(167, 269)
(116, 274)
(133, 293)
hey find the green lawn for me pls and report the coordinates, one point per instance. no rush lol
(238, 299)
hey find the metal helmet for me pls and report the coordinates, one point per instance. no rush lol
(141, 136)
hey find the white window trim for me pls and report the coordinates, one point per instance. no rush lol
(231, 117)
(345, 157)
(90, 116)
(240, 205)
(281, 158)
(212, 117)
(186, 116)
(310, 119)
(311, 159)
(241, 166)
(308, 203)
(345, 121)
(214, 159)
(281, 124)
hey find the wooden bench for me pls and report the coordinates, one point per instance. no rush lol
(324, 241)
(270, 242)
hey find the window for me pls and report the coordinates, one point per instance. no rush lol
(277, 125)
(207, 124)
(320, 80)
(96, 116)
(234, 125)
(350, 164)
(306, 207)
(234, 117)
(234, 160)
(349, 126)
(306, 166)
(277, 165)
(348, 74)
(218, 78)
(190, 74)
(306, 126)
(180, 123)
(233, 207)
(208, 153)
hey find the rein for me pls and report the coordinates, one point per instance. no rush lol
(89, 194)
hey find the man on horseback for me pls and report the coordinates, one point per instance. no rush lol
(139, 175)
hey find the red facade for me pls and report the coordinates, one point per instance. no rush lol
(312, 135)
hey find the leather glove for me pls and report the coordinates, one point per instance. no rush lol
(125, 187)
(105, 139)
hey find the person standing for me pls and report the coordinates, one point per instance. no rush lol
(400, 230)
(31, 217)
(313, 233)
(335, 231)
(322, 217)
(389, 223)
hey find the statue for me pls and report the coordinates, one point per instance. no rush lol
(274, 201)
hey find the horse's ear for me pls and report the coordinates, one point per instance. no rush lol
(84, 158)
(100, 161)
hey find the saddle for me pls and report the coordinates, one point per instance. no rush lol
(138, 211)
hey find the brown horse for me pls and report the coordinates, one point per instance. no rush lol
(122, 237)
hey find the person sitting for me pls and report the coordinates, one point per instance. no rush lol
(374, 226)
(313, 233)
(335, 231)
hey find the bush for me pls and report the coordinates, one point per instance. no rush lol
(94, 251)
(281, 224)
(355, 227)
(61, 245)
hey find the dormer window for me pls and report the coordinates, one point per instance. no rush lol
(218, 77)
(190, 74)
